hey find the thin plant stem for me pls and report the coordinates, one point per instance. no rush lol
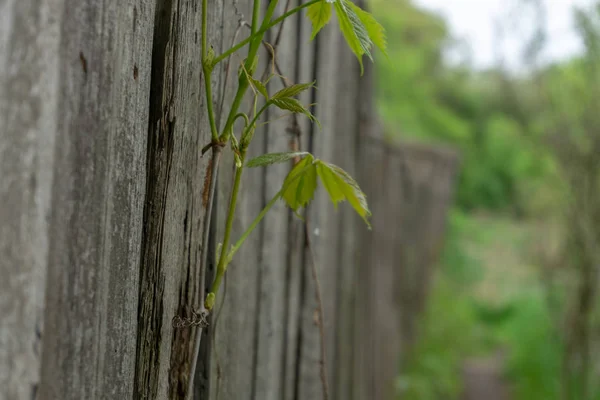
(255, 15)
(214, 170)
(254, 224)
(229, 225)
(207, 72)
(252, 52)
(263, 30)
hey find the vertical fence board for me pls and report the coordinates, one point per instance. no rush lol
(345, 155)
(95, 225)
(323, 230)
(28, 118)
(174, 211)
(297, 267)
(274, 255)
(235, 320)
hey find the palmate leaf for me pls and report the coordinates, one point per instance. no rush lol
(299, 186)
(319, 14)
(274, 158)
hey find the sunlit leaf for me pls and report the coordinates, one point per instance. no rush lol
(300, 184)
(341, 186)
(374, 29)
(329, 180)
(354, 31)
(273, 158)
(319, 14)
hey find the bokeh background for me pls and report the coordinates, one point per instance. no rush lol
(515, 87)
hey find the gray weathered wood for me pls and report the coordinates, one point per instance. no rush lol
(345, 155)
(175, 206)
(28, 127)
(274, 255)
(235, 319)
(73, 108)
(297, 268)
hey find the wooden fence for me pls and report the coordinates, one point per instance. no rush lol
(101, 207)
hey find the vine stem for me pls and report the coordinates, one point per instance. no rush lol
(255, 40)
(263, 29)
(228, 227)
(254, 224)
(207, 67)
(214, 170)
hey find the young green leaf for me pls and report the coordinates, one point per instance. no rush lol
(273, 158)
(293, 105)
(257, 85)
(293, 90)
(341, 186)
(354, 31)
(329, 180)
(319, 14)
(300, 184)
(260, 87)
(374, 29)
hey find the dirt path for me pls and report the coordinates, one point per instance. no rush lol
(483, 380)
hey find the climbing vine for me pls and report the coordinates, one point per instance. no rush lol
(362, 34)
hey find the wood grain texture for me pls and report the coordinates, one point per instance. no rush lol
(97, 195)
(174, 209)
(235, 320)
(28, 128)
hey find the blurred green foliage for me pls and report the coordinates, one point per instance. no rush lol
(525, 142)
(419, 97)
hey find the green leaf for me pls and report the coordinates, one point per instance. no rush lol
(273, 158)
(293, 90)
(354, 31)
(329, 180)
(257, 85)
(293, 105)
(260, 87)
(300, 184)
(319, 14)
(374, 29)
(341, 186)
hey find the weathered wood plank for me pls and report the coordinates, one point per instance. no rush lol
(323, 229)
(272, 283)
(28, 120)
(345, 154)
(95, 220)
(174, 210)
(297, 268)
